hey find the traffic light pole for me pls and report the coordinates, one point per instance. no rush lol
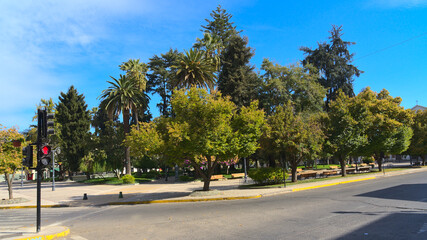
(39, 181)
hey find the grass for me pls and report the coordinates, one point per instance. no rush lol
(113, 180)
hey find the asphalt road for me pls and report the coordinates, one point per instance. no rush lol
(385, 208)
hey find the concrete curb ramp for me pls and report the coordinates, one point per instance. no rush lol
(332, 184)
(62, 233)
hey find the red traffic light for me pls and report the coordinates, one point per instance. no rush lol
(45, 149)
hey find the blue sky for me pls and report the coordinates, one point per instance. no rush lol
(47, 46)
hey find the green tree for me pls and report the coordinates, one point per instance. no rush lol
(390, 129)
(194, 69)
(220, 25)
(418, 145)
(204, 130)
(10, 156)
(348, 119)
(291, 83)
(122, 96)
(212, 46)
(333, 62)
(162, 76)
(294, 136)
(237, 78)
(74, 125)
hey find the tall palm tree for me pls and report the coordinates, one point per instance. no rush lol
(195, 69)
(122, 96)
(136, 71)
(213, 46)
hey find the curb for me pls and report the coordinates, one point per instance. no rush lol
(42, 206)
(46, 236)
(332, 184)
(181, 200)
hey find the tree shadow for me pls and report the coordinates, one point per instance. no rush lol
(403, 225)
(408, 192)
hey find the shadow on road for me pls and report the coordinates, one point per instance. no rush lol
(407, 192)
(394, 226)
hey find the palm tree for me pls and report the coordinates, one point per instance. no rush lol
(136, 71)
(195, 69)
(212, 45)
(122, 96)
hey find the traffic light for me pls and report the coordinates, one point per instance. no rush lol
(28, 155)
(45, 155)
(45, 123)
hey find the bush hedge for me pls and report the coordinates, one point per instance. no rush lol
(267, 175)
(127, 179)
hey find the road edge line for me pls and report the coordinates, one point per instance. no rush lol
(183, 200)
(332, 184)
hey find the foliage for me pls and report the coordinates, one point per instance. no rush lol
(347, 121)
(10, 156)
(96, 159)
(205, 130)
(419, 139)
(294, 136)
(212, 47)
(237, 78)
(291, 83)
(195, 69)
(220, 25)
(136, 71)
(368, 160)
(333, 63)
(128, 179)
(390, 129)
(122, 96)
(267, 175)
(74, 124)
(162, 77)
(184, 178)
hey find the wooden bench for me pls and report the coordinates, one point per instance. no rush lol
(307, 174)
(217, 177)
(329, 173)
(333, 167)
(299, 170)
(237, 175)
(365, 169)
(350, 170)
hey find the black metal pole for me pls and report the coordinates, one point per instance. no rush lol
(39, 180)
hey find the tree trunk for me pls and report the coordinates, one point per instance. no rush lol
(9, 181)
(126, 129)
(379, 159)
(343, 166)
(87, 175)
(424, 159)
(294, 166)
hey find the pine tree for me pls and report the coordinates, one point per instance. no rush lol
(237, 78)
(333, 61)
(220, 26)
(74, 125)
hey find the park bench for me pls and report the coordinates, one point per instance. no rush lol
(350, 170)
(365, 169)
(327, 173)
(237, 175)
(299, 170)
(307, 174)
(333, 167)
(217, 177)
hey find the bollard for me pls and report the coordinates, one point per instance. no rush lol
(120, 195)
(85, 196)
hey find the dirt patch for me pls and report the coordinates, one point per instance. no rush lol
(13, 201)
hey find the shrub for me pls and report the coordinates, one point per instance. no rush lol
(267, 175)
(186, 178)
(152, 175)
(128, 179)
(368, 160)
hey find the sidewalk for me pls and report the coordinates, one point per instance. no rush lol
(70, 194)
